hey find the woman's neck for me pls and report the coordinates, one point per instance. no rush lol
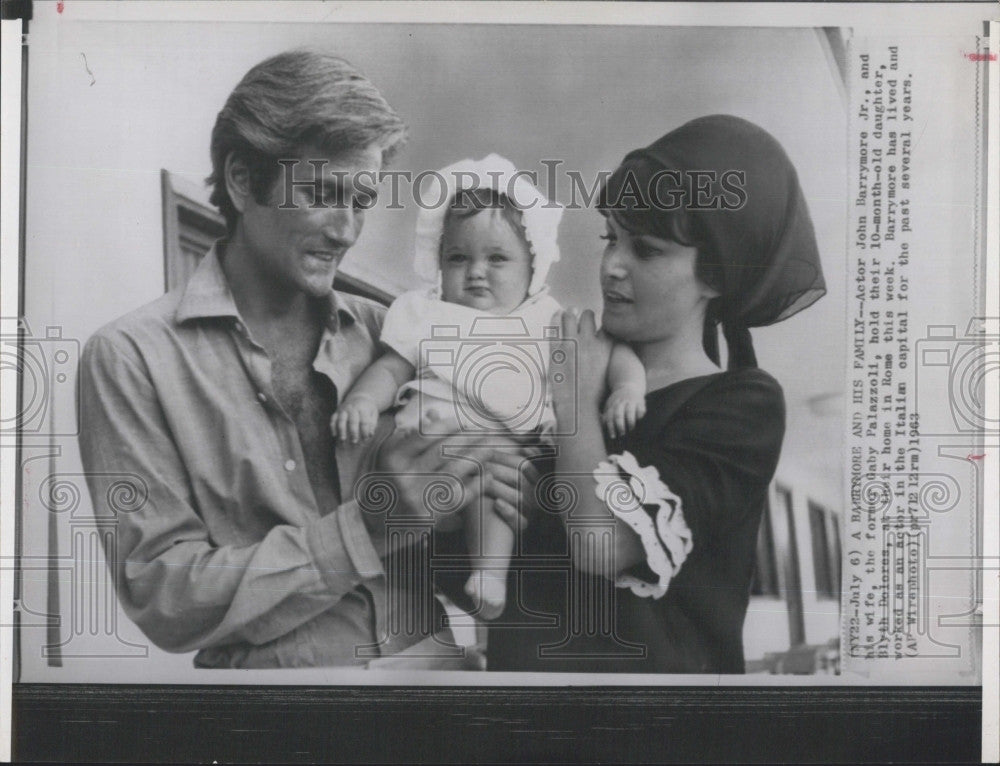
(673, 359)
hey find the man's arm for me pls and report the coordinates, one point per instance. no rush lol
(185, 591)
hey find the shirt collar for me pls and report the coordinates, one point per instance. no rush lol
(207, 295)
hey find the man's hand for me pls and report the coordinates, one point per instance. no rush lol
(355, 419)
(424, 480)
(511, 485)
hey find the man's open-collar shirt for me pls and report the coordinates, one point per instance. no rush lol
(227, 551)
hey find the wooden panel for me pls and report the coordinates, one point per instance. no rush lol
(189, 229)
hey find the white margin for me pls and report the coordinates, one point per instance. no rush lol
(875, 15)
(991, 477)
(10, 165)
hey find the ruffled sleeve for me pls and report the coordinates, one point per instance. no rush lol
(637, 496)
(697, 468)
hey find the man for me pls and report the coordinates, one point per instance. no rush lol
(216, 398)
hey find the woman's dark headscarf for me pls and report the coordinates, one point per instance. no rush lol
(757, 248)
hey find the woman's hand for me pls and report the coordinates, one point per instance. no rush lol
(581, 376)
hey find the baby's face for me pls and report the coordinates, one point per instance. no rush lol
(485, 265)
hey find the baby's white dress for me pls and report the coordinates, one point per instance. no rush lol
(486, 372)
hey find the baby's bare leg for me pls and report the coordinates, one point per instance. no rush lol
(490, 541)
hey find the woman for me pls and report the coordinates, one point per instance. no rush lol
(661, 524)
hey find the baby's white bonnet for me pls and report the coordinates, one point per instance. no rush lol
(540, 215)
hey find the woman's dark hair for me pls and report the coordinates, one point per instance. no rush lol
(643, 199)
(725, 186)
(469, 202)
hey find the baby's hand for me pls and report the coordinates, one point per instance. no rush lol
(355, 419)
(623, 408)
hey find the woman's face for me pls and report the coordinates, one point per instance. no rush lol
(649, 286)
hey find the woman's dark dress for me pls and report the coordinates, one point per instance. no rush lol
(714, 440)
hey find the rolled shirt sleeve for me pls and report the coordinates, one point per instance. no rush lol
(184, 589)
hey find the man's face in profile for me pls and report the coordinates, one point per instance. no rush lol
(300, 233)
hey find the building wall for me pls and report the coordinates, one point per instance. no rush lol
(767, 624)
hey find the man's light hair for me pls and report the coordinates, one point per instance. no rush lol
(297, 100)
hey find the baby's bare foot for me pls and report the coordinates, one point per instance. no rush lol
(488, 591)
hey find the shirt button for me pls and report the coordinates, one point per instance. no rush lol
(238, 326)
(261, 397)
(289, 465)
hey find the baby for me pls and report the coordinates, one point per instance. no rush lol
(485, 253)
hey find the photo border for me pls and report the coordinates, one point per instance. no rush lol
(128, 722)
(497, 724)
